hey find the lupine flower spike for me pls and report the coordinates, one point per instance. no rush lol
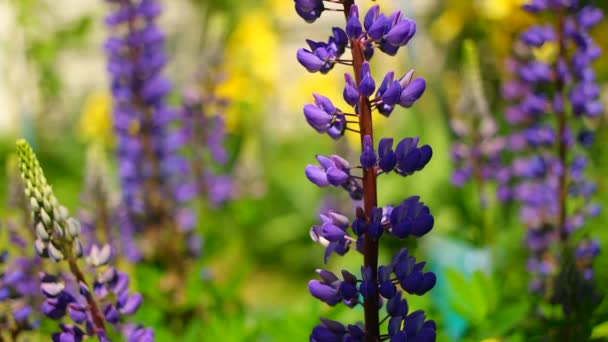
(551, 99)
(477, 150)
(203, 113)
(92, 306)
(153, 172)
(19, 284)
(376, 284)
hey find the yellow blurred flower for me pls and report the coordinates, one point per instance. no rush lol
(251, 64)
(96, 121)
(498, 10)
(280, 7)
(449, 24)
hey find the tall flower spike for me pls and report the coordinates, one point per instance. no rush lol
(19, 285)
(101, 216)
(476, 152)
(58, 239)
(204, 120)
(150, 135)
(411, 218)
(547, 170)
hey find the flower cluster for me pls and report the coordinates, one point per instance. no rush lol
(111, 290)
(19, 267)
(17, 291)
(101, 215)
(544, 93)
(476, 155)
(205, 128)
(57, 238)
(153, 172)
(411, 218)
(324, 117)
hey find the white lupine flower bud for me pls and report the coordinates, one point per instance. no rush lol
(54, 253)
(34, 204)
(41, 232)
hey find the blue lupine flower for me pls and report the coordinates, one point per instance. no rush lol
(150, 135)
(542, 182)
(57, 238)
(372, 222)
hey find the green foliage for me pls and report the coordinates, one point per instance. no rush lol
(479, 299)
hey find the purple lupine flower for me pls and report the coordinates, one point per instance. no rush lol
(540, 179)
(101, 217)
(150, 135)
(65, 298)
(18, 292)
(19, 266)
(57, 238)
(476, 153)
(205, 128)
(336, 233)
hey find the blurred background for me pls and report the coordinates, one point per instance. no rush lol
(258, 256)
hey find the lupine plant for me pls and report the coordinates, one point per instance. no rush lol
(477, 150)
(377, 284)
(18, 287)
(554, 102)
(477, 153)
(153, 172)
(19, 267)
(203, 116)
(92, 306)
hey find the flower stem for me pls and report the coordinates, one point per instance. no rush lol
(561, 143)
(95, 313)
(370, 249)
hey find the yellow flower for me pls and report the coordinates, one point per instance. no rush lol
(449, 25)
(95, 121)
(498, 10)
(251, 65)
(280, 7)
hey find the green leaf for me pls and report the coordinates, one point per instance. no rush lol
(481, 292)
(506, 319)
(600, 330)
(464, 299)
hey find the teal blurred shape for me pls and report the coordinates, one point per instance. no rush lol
(448, 253)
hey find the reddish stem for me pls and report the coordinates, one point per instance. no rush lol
(561, 143)
(95, 313)
(370, 249)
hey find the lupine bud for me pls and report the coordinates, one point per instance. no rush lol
(336, 176)
(371, 16)
(353, 26)
(307, 11)
(411, 93)
(54, 253)
(351, 93)
(368, 156)
(401, 33)
(411, 217)
(324, 292)
(368, 84)
(317, 175)
(310, 61)
(378, 28)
